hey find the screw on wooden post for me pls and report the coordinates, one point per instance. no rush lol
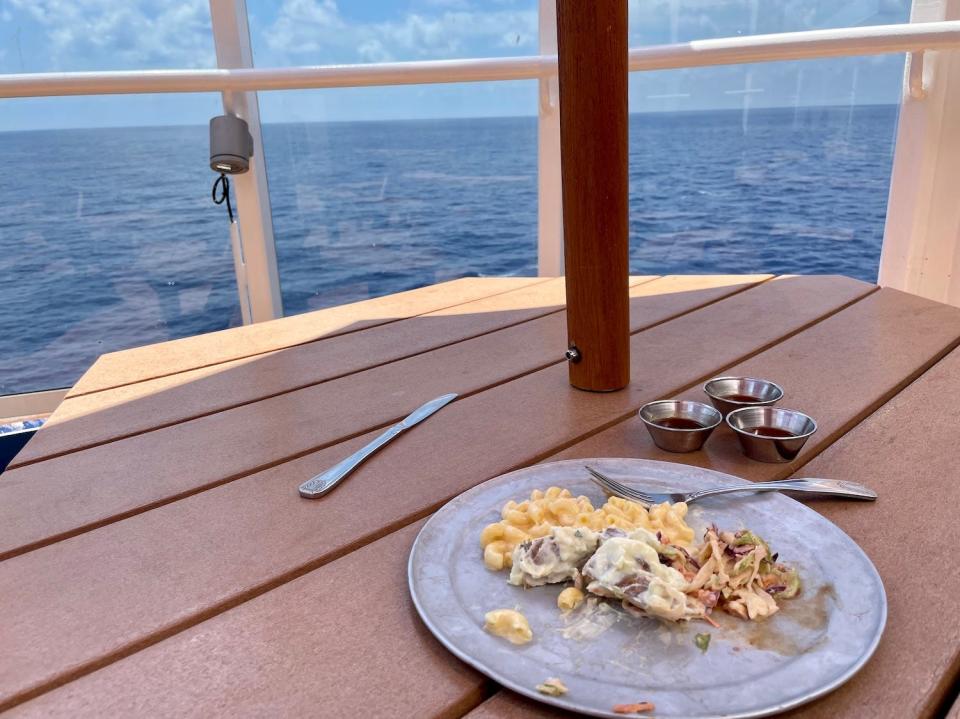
(592, 51)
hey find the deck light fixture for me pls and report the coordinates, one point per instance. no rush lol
(231, 145)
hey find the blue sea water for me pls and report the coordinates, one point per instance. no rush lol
(109, 239)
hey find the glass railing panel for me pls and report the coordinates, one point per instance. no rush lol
(784, 190)
(363, 209)
(48, 36)
(323, 32)
(655, 22)
(382, 189)
(108, 236)
(772, 167)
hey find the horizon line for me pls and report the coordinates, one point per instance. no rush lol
(459, 118)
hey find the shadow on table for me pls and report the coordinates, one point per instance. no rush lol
(120, 412)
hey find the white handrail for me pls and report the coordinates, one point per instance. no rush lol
(873, 40)
(810, 44)
(284, 78)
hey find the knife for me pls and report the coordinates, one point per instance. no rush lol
(325, 481)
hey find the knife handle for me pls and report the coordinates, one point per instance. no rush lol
(325, 481)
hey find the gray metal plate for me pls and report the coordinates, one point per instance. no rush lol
(812, 646)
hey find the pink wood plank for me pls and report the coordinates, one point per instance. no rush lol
(97, 596)
(130, 409)
(322, 663)
(66, 494)
(907, 452)
(141, 363)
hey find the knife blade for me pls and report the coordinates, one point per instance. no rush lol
(325, 481)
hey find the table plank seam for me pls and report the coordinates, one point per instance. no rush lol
(876, 405)
(90, 526)
(951, 697)
(53, 539)
(214, 610)
(471, 700)
(534, 283)
(289, 390)
(950, 681)
(53, 455)
(326, 558)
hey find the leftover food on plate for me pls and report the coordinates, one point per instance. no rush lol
(638, 708)
(629, 569)
(553, 558)
(508, 624)
(552, 687)
(645, 559)
(702, 641)
(570, 598)
(537, 516)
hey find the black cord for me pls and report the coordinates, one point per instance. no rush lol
(224, 194)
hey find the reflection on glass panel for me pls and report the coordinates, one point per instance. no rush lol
(377, 190)
(363, 209)
(74, 36)
(108, 237)
(774, 167)
(782, 190)
(323, 32)
(654, 22)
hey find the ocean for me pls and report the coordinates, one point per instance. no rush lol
(109, 238)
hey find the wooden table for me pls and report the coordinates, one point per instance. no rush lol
(157, 560)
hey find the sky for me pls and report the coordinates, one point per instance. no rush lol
(77, 35)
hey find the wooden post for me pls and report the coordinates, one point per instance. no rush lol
(592, 50)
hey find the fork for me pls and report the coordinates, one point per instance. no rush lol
(829, 487)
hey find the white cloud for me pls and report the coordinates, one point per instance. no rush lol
(122, 34)
(135, 34)
(315, 31)
(458, 4)
(656, 21)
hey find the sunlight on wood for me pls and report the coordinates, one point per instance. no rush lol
(141, 363)
(473, 329)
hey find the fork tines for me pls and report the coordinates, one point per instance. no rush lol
(617, 488)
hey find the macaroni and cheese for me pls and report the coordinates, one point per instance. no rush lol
(536, 517)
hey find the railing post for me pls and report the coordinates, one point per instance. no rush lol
(255, 256)
(921, 239)
(592, 52)
(549, 199)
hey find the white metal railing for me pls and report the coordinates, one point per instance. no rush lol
(238, 82)
(549, 186)
(806, 45)
(921, 238)
(251, 235)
